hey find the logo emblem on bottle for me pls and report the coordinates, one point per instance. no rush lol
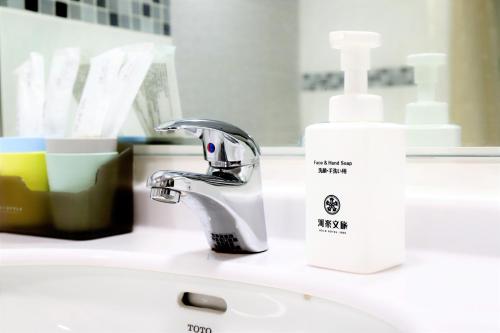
(332, 204)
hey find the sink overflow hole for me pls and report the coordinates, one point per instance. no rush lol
(204, 302)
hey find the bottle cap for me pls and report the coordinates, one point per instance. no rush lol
(355, 104)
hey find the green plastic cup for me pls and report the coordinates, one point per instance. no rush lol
(74, 166)
(75, 172)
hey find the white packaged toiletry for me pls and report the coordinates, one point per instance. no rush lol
(355, 168)
(30, 96)
(98, 93)
(59, 91)
(138, 59)
(428, 119)
(158, 99)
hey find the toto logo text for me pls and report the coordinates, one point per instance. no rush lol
(198, 329)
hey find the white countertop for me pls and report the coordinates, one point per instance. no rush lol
(432, 292)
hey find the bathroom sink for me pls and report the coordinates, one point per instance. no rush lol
(168, 280)
(163, 277)
(99, 299)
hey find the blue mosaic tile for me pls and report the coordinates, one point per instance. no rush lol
(19, 4)
(155, 12)
(102, 17)
(61, 9)
(124, 21)
(151, 16)
(136, 24)
(380, 77)
(47, 7)
(113, 6)
(113, 19)
(146, 9)
(89, 14)
(75, 11)
(136, 8)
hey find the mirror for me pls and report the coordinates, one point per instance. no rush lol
(267, 66)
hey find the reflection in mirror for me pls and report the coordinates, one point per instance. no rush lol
(412, 27)
(427, 120)
(267, 66)
(58, 81)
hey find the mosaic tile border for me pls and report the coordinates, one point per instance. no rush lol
(152, 16)
(379, 77)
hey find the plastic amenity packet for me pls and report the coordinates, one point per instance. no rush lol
(97, 92)
(158, 99)
(59, 91)
(30, 96)
(138, 59)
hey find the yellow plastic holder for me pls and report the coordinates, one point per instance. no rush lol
(30, 166)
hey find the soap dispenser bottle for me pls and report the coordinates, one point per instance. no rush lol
(355, 173)
(427, 119)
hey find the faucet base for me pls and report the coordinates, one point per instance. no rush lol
(227, 243)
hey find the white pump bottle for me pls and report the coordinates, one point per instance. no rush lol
(355, 173)
(427, 119)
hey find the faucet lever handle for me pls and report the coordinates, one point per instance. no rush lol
(224, 145)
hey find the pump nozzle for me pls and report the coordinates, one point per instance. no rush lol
(426, 110)
(426, 73)
(354, 49)
(355, 104)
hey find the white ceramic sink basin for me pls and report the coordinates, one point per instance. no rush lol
(98, 299)
(133, 283)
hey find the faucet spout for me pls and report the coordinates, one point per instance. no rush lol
(231, 210)
(228, 197)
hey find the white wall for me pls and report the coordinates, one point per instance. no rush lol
(409, 26)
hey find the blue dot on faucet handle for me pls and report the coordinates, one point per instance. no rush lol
(211, 147)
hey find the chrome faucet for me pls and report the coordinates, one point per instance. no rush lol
(228, 197)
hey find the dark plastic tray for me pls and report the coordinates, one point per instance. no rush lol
(105, 209)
